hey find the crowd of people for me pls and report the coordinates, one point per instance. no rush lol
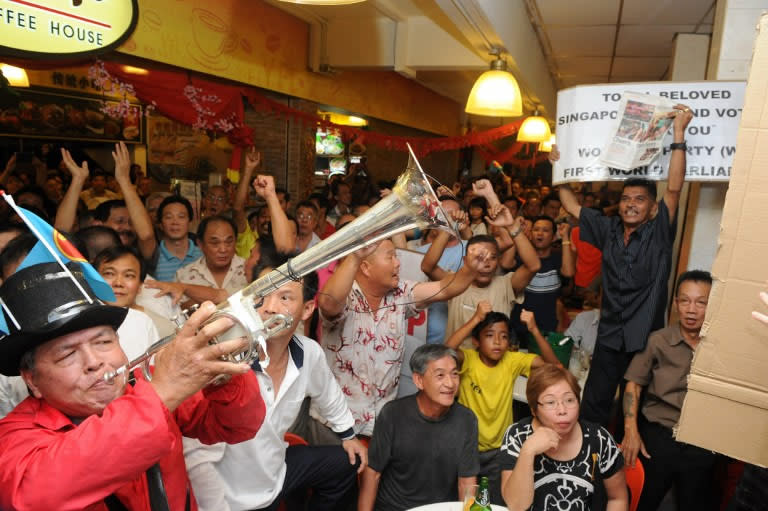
(325, 425)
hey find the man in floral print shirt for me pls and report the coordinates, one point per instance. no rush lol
(364, 307)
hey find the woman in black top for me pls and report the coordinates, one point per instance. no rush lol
(553, 460)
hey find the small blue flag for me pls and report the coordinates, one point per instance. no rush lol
(53, 247)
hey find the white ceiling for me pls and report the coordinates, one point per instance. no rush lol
(583, 41)
(594, 41)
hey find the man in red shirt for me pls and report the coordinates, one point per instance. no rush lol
(81, 442)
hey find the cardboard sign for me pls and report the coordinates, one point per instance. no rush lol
(587, 119)
(726, 407)
(65, 28)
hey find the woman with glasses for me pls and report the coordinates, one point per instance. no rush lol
(553, 460)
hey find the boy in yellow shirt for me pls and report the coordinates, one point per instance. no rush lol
(488, 373)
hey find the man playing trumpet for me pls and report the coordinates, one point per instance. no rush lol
(80, 442)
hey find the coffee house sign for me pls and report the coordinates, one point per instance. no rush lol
(64, 28)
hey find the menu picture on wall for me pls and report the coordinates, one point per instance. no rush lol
(176, 150)
(50, 115)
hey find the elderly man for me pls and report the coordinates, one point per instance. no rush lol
(81, 441)
(662, 368)
(259, 473)
(364, 307)
(215, 275)
(437, 458)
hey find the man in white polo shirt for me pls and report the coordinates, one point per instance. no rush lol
(259, 473)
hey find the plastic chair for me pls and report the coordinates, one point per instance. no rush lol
(635, 477)
(293, 439)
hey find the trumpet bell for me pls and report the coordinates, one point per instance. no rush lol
(412, 204)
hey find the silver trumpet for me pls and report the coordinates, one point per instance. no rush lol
(412, 204)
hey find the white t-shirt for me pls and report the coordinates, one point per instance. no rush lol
(137, 333)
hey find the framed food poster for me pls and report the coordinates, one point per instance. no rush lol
(42, 114)
(176, 150)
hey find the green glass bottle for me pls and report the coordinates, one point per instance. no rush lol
(483, 498)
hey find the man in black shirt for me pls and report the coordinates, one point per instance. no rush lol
(637, 257)
(424, 447)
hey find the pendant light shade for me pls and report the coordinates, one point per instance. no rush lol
(546, 146)
(496, 93)
(534, 129)
(323, 2)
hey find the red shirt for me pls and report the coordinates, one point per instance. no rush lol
(329, 229)
(588, 260)
(47, 462)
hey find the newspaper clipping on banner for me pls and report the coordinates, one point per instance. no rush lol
(644, 120)
(616, 131)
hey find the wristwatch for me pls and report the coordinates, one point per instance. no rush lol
(678, 145)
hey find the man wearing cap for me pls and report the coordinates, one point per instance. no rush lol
(83, 441)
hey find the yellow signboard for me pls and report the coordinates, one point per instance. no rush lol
(64, 28)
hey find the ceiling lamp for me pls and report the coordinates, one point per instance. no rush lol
(135, 70)
(496, 92)
(534, 129)
(343, 119)
(16, 76)
(322, 2)
(546, 146)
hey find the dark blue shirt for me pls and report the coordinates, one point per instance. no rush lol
(635, 276)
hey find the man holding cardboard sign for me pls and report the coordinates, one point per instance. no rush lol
(637, 257)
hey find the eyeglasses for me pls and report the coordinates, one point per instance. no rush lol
(305, 217)
(216, 198)
(551, 404)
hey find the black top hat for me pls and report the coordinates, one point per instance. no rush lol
(45, 303)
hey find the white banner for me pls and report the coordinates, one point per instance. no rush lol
(416, 335)
(587, 119)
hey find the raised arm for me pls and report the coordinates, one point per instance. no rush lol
(500, 216)
(568, 200)
(142, 223)
(567, 197)
(9, 166)
(677, 161)
(66, 214)
(429, 261)
(547, 353)
(568, 265)
(332, 299)
(484, 188)
(252, 161)
(452, 284)
(508, 259)
(283, 236)
(465, 330)
(432, 257)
